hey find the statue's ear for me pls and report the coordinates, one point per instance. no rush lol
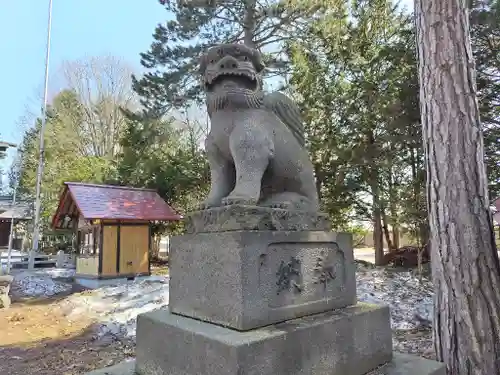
(203, 63)
(257, 60)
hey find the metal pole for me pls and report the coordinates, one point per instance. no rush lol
(36, 229)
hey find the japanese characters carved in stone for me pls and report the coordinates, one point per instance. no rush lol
(255, 146)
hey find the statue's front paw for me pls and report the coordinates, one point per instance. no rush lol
(206, 204)
(239, 199)
(282, 205)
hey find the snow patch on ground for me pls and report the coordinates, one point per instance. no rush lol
(55, 272)
(39, 282)
(409, 299)
(116, 306)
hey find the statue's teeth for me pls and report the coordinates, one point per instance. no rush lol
(228, 72)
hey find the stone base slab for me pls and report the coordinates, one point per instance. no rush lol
(405, 364)
(349, 341)
(249, 279)
(401, 364)
(240, 217)
(122, 368)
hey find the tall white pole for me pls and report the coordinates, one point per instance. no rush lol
(36, 229)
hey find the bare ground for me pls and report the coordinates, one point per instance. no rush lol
(37, 338)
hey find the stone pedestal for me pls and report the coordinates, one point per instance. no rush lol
(239, 217)
(401, 364)
(349, 341)
(248, 279)
(248, 301)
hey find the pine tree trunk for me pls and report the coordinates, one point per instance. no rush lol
(318, 173)
(394, 220)
(373, 180)
(155, 246)
(249, 23)
(465, 266)
(387, 234)
(423, 234)
(378, 239)
(393, 211)
(395, 237)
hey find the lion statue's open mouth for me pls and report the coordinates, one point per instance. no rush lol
(235, 79)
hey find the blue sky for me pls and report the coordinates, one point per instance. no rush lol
(121, 28)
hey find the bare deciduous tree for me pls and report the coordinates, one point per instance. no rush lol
(103, 86)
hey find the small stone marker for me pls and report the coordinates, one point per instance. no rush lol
(5, 281)
(61, 259)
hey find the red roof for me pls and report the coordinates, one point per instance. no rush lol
(113, 202)
(496, 204)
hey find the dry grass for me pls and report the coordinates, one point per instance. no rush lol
(37, 339)
(31, 322)
(159, 270)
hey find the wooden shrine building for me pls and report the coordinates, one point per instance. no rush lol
(112, 226)
(19, 212)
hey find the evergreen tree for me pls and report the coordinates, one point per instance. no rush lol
(163, 155)
(485, 38)
(354, 76)
(173, 57)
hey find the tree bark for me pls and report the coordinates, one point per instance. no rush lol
(249, 23)
(395, 237)
(319, 180)
(373, 178)
(378, 239)
(394, 215)
(465, 265)
(387, 234)
(423, 234)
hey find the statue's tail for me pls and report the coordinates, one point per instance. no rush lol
(288, 112)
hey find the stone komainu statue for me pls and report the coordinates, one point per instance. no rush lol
(255, 147)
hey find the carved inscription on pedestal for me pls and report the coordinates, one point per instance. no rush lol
(324, 268)
(301, 273)
(289, 276)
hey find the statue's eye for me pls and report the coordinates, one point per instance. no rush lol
(212, 61)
